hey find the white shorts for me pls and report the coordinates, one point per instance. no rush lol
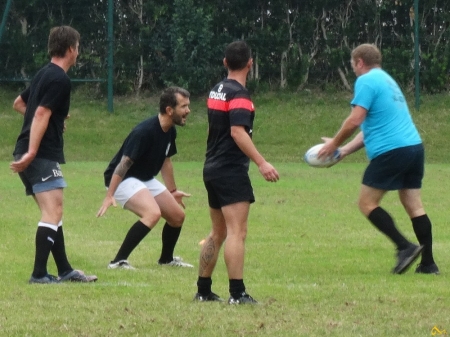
(131, 186)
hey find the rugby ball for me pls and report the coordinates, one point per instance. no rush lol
(311, 158)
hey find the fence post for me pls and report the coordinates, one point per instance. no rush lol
(110, 54)
(416, 54)
(5, 16)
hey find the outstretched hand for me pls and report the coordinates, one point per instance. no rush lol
(109, 200)
(178, 195)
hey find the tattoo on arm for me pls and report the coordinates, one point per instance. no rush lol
(123, 166)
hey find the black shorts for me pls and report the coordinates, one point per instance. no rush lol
(401, 168)
(229, 190)
(41, 175)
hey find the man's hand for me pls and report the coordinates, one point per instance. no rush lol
(178, 195)
(21, 164)
(65, 126)
(268, 172)
(109, 200)
(328, 149)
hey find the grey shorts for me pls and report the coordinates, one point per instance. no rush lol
(41, 175)
(229, 190)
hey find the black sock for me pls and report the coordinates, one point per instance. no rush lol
(134, 236)
(384, 222)
(45, 237)
(422, 228)
(169, 240)
(237, 287)
(59, 253)
(204, 285)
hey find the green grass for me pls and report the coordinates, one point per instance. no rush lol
(315, 264)
(286, 125)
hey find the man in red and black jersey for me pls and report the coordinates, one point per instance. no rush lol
(225, 173)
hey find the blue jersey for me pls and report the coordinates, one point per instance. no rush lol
(388, 124)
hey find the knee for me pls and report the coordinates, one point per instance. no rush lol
(366, 207)
(219, 235)
(238, 233)
(177, 218)
(151, 218)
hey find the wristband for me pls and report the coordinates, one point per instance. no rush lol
(174, 190)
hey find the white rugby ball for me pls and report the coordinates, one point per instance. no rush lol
(311, 158)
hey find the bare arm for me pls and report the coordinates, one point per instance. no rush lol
(38, 128)
(19, 105)
(117, 177)
(167, 175)
(169, 180)
(354, 145)
(245, 143)
(349, 126)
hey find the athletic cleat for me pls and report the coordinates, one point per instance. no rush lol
(77, 276)
(211, 297)
(122, 264)
(406, 257)
(176, 262)
(244, 298)
(430, 269)
(47, 279)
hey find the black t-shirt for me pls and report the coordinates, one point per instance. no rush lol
(147, 146)
(229, 104)
(50, 88)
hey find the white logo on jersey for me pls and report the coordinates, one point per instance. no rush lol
(167, 150)
(250, 131)
(218, 95)
(220, 88)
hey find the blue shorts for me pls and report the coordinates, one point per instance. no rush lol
(401, 168)
(41, 175)
(229, 190)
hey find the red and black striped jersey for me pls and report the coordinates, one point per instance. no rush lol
(229, 104)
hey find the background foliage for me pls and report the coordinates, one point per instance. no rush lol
(296, 43)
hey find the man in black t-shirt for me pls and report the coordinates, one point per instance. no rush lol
(39, 153)
(225, 174)
(130, 180)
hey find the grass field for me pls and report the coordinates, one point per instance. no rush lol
(315, 264)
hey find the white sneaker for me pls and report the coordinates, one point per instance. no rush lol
(177, 262)
(122, 264)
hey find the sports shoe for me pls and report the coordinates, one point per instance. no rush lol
(406, 257)
(244, 298)
(211, 297)
(122, 264)
(176, 262)
(43, 280)
(77, 276)
(430, 269)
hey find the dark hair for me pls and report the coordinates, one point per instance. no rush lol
(237, 54)
(169, 98)
(60, 39)
(369, 53)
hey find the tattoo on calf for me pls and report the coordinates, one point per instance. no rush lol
(208, 252)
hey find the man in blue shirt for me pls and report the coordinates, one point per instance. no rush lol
(394, 148)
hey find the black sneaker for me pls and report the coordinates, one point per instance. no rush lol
(211, 297)
(430, 269)
(77, 276)
(406, 257)
(47, 279)
(243, 298)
